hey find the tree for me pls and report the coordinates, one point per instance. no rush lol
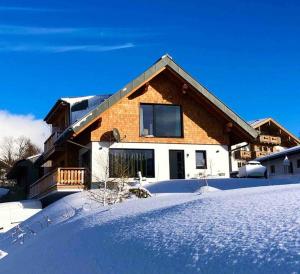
(13, 150)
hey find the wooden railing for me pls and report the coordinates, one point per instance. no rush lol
(49, 143)
(257, 154)
(268, 139)
(242, 154)
(59, 178)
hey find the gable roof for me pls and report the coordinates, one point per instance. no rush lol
(259, 122)
(164, 62)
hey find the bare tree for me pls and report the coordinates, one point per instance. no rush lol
(13, 150)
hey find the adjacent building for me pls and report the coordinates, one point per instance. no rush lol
(283, 163)
(163, 124)
(272, 138)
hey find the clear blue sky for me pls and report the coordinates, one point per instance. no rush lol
(246, 52)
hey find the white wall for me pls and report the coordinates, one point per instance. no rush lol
(217, 159)
(279, 168)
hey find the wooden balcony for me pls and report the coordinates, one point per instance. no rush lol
(49, 146)
(257, 154)
(275, 140)
(61, 179)
(242, 154)
(268, 139)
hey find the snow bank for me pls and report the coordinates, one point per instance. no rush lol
(13, 213)
(253, 230)
(194, 185)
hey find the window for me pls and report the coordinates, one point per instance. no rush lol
(200, 159)
(127, 162)
(240, 164)
(298, 163)
(272, 169)
(160, 120)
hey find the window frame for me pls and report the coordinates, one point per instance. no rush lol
(205, 158)
(154, 118)
(132, 149)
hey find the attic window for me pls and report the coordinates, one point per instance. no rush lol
(80, 105)
(160, 120)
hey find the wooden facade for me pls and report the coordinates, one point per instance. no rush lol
(272, 138)
(201, 125)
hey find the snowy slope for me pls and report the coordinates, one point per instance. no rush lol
(251, 230)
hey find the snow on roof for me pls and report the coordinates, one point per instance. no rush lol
(257, 121)
(280, 154)
(80, 106)
(218, 232)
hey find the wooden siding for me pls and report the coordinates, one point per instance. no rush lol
(200, 126)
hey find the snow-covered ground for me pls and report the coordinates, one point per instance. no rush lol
(13, 213)
(246, 230)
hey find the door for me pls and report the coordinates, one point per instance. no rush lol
(176, 162)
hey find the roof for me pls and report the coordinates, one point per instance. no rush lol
(21, 163)
(281, 154)
(256, 122)
(259, 122)
(164, 62)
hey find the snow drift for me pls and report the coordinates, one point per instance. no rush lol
(253, 230)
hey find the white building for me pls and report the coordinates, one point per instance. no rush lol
(283, 163)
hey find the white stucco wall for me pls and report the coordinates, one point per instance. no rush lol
(279, 167)
(217, 159)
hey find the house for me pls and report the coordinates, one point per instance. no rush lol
(163, 123)
(283, 163)
(24, 172)
(273, 137)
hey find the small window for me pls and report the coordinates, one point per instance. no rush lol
(298, 163)
(240, 164)
(160, 120)
(272, 169)
(201, 159)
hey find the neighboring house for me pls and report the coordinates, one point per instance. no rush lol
(273, 137)
(164, 124)
(24, 172)
(283, 163)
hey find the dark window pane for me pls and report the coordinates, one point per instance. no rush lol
(201, 159)
(146, 120)
(127, 162)
(167, 121)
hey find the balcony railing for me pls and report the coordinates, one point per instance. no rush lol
(267, 139)
(59, 179)
(242, 154)
(49, 143)
(257, 154)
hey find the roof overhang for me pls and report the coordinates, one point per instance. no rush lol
(166, 62)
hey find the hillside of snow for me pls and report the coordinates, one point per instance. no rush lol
(250, 230)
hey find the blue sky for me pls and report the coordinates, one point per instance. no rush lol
(245, 52)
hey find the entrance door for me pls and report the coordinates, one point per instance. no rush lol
(176, 161)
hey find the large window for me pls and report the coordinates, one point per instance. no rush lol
(201, 159)
(160, 120)
(127, 162)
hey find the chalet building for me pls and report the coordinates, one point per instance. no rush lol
(163, 123)
(273, 137)
(285, 163)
